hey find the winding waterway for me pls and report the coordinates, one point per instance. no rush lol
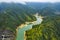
(20, 33)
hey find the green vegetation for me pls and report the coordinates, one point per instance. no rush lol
(49, 29)
(12, 15)
(47, 11)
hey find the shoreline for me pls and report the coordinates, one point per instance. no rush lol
(33, 23)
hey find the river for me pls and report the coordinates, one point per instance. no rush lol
(20, 33)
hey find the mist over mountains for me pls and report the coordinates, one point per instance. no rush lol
(45, 8)
(41, 5)
(32, 6)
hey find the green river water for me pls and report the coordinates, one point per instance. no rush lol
(20, 34)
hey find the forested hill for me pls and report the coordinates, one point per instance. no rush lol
(49, 29)
(14, 14)
(40, 5)
(45, 9)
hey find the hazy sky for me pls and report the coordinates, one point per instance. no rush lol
(22, 1)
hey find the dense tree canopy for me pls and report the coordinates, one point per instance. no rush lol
(49, 29)
(14, 14)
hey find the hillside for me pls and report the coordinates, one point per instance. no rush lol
(49, 29)
(45, 9)
(14, 14)
(40, 5)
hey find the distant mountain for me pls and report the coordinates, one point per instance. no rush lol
(40, 5)
(45, 9)
(37, 5)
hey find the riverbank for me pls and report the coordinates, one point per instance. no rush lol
(28, 25)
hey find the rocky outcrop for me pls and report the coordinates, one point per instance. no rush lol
(6, 35)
